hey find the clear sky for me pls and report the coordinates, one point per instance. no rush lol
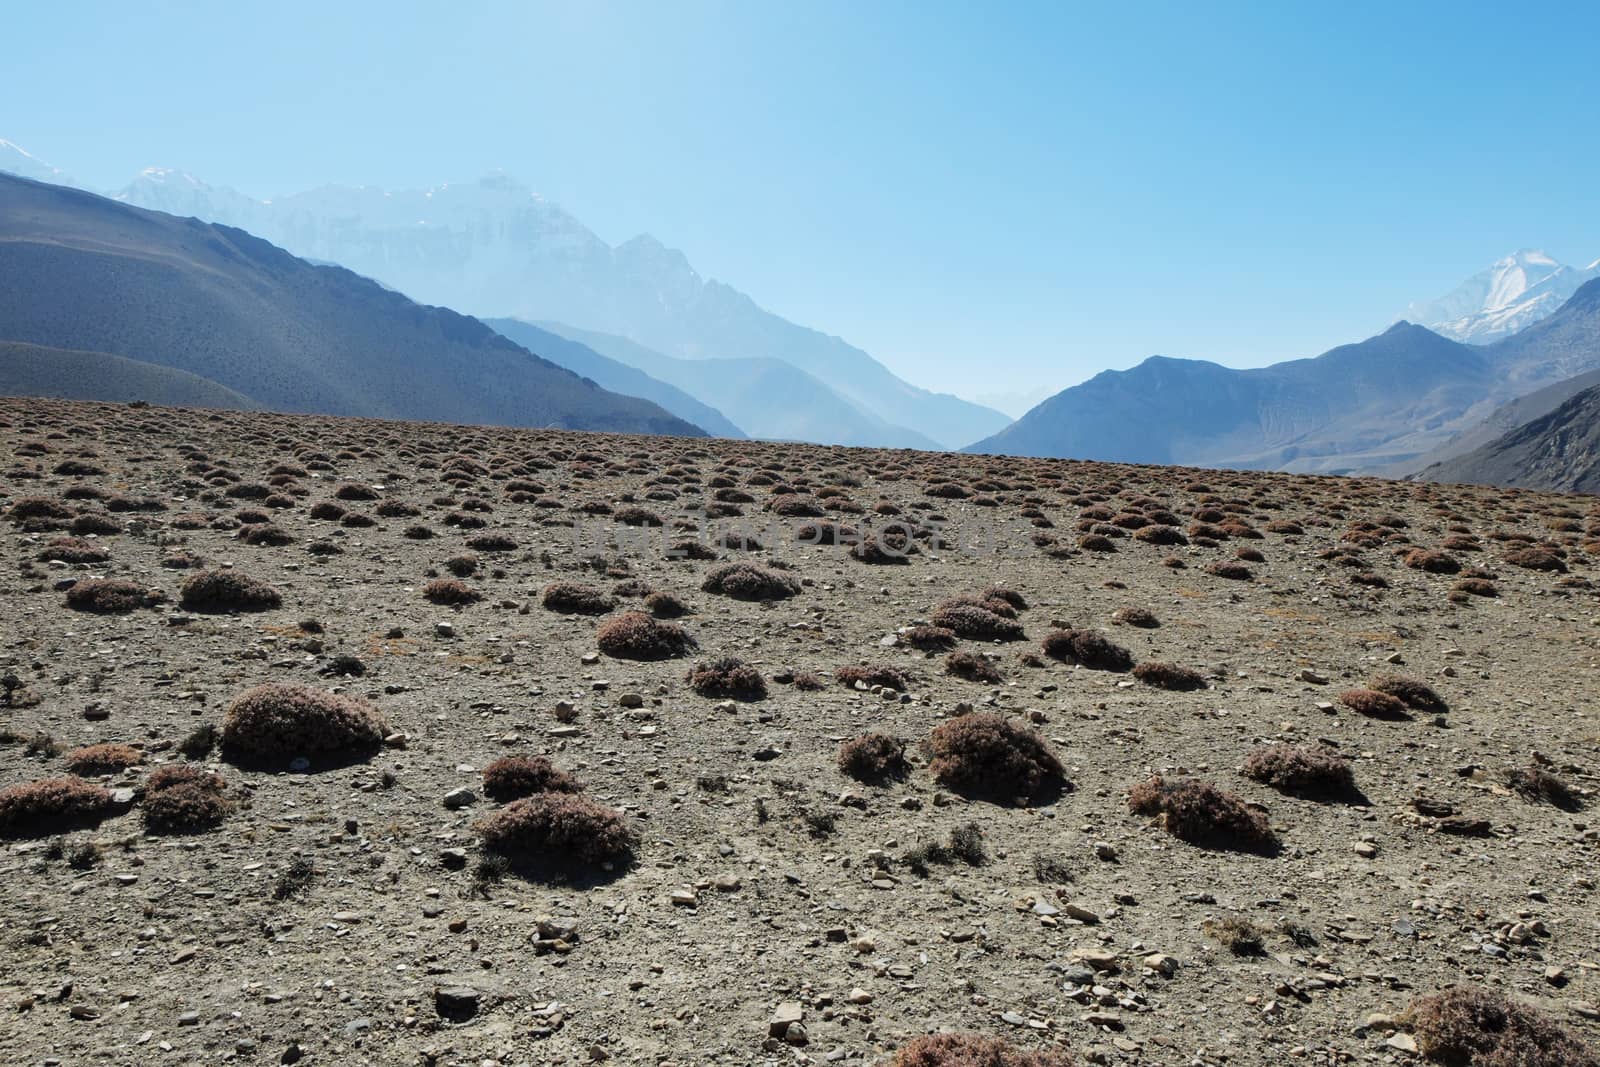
(985, 196)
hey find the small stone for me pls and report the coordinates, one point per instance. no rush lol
(1312, 677)
(1162, 964)
(684, 898)
(453, 859)
(459, 798)
(858, 996)
(728, 883)
(1366, 849)
(444, 629)
(189, 1018)
(631, 700)
(1403, 1042)
(785, 1015)
(456, 1002)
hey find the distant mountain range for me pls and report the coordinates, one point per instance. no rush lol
(1516, 292)
(1377, 406)
(788, 403)
(117, 293)
(495, 248)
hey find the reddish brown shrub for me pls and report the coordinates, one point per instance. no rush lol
(1160, 535)
(1164, 675)
(1476, 587)
(265, 534)
(51, 806)
(1201, 814)
(183, 799)
(1094, 542)
(974, 1050)
(1412, 693)
(988, 755)
(727, 676)
(571, 598)
(327, 510)
(555, 830)
(1432, 561)
(103, 759)
(973, 667)
(1536, 784)
(1139, 617)
(1305, 772)
(515, 777)
(979, 620)
(34, 508)
(1236, 571)
(1469, 1026)
(1087, 648)
(355, 491)
(1535, 558)
(635, 635)
(450, 591)
(491, 542)
(873, 674)
(1375, 581)
(929, 638)
(111, 596)
(746, 581)
(665, 606)
(275, 723)
(227, 591)
(1373, 704)
(873, 758)
(73, 550)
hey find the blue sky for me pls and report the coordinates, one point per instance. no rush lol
(985, 197)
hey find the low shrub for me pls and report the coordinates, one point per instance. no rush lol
(1414, 694)
(1235, 571)
(51, 806)
(1537, 785)
(746, 581)
(1238, 935)
(183, 800)
(635, 635)
(112, 596)
(873, 758)
(572, 598)
(665, 606)
(275, 723)
(265, 534)
(223, 590)
(972, 667)
(1432, 561)
(555, 830)
(1201, 814)
(727, 676)
(974, 620)
(1300, 771)
(1087, 648)
(1373, 704)
(988, 755)
(1476, 587)
(1470, 1026)
(451, 592)
(73, 550)
(492, 542)
(103, 759)
(974, 1050)
(1160, 535)
(1143, 619)
(1535, 558)
(1163, 675)
(636, 516)
(462, 566)
(929, 638)
(514, 777)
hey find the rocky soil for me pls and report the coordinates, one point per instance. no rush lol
(777, 911)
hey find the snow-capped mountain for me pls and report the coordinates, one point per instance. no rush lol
(496, 248)
(15, 160)
(1516, 292)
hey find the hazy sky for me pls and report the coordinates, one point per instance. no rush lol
(984, 196)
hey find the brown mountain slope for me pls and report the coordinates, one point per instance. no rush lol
(1560, 451)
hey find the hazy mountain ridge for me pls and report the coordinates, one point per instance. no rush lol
(789, 403)
(495, 248)
(84, 273)
(33, 370)
(1559, 450)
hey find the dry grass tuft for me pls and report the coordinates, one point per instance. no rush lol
(1469, 1026)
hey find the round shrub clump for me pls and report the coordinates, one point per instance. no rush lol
(1373, 704)
(873, 758)
(727, 676)
(1164, 675)
(1087, 648)
(929, 638)
(227, 591)
(1140, 617)
(515, 777)
(552, 830)
(974, 619)
(988, 755)
(1300, 771)
(183, 799)
(73, 550)
(972, 667)
(1201, 814)
(635, 635)
(112, 596)
(1416, 695)
(571, 598)
(1471, 1025)
(974, 1050)
(1432, 561)
(746, 581)
(275, 723)
(103, 759)
(451, 592)
(54, 805)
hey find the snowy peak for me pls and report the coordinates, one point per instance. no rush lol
(14, 159)
(1515, 292)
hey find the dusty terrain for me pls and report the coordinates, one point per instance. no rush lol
(763, 876)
